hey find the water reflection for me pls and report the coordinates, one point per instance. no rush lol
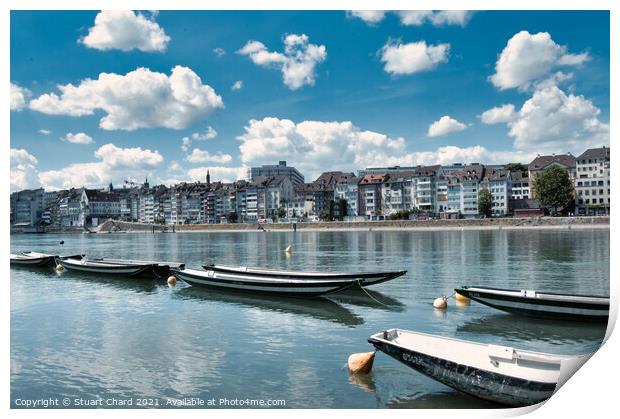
(129, 284)
(368, 298)
(317, 308)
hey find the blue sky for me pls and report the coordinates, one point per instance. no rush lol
(354, 90)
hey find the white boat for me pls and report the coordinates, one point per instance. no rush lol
(499, 374)
(364, 278)
(262, 284)
(34, 259)
(85, 265)
(541, 304)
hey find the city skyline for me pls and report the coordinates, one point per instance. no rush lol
(322, 90)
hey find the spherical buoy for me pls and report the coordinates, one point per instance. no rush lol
(462, 303)
(289, 249)
(461, 298)
(172, 280)
(441, 303)
(361, 363)
(59, 267)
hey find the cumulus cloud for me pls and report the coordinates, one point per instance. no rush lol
(19, 97)
(115, 164)
(23, 170)
(201, 156)
(530, 57)
(416, 17)
(498, 114)
(436, 18)
(79, 138)
(413, 57)
(369, 16)
(44, 132)
(140, 99)
(297, 63)
(217, 173)
(237, 85)
(551, 120)
(445, 125)
(209, 134)
(126, 30)
(219, 51)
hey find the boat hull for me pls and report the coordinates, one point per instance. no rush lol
(34, 262)
(554, 306)
(365, 279)
(487, 385)
(124, 270)
(260, 285)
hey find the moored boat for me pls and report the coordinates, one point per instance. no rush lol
(541, 304)
(85, 265)
(262, 283)
(496, 373)
(364, 278)
(33, 259)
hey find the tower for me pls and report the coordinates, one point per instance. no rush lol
(208, 178)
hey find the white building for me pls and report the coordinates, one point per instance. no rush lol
(498, 182)
(592, 186)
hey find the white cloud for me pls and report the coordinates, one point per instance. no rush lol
(115, 165)
(217, 173)
(79, 138)
(19, 96)
(297, 63)
(219, 51)
(498, 114)
(414, 57)
(445, 125)
(527, 58)
(552, 121)
(44, 132)
(416, 17)
(140, 99)
(369, 16)
(209, 134)
(126, 30)
(201, 156)
(23, 170)
(237, 85)
(436, 18)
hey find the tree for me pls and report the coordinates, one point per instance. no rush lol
(342, 208)
(554, 188)
(232, 217)
(281, 212)
(516, 167)
(324, 215)
(485, 202)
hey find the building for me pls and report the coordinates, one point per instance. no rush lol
(396, 192)
(281, 169)
(370, 197)
(565, 161)
(27, 207)
(463, 187)
(324, 188)
(347, 189)
(520, 185)
(499, 184)
(424, 189)
(592, 186)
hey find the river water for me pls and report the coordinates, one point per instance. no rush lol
(93, 338)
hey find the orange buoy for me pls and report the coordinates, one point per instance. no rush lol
(172, 280)
(461, 298)
(59, 267)
(361, 363)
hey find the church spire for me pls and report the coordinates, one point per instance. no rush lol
(208, 178)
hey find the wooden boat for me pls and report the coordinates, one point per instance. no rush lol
(365, 279)
(496, 373)
(33, 259)
(119, 267)
(158, 269)
(262, 283)
(541, 304)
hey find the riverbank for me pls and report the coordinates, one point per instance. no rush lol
(388, 225)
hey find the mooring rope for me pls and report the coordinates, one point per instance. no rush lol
(373, 298)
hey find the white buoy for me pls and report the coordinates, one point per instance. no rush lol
(361, 363)
(440, 303)
(289, 249)
(172, 280)
(59, 267)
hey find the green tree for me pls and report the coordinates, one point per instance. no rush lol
(324, 215)
(232, 217)
(554, 188)
(485, 203)
(516, 167)
(342, 208)
(281, 212)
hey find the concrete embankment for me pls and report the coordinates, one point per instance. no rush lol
(475, 224)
